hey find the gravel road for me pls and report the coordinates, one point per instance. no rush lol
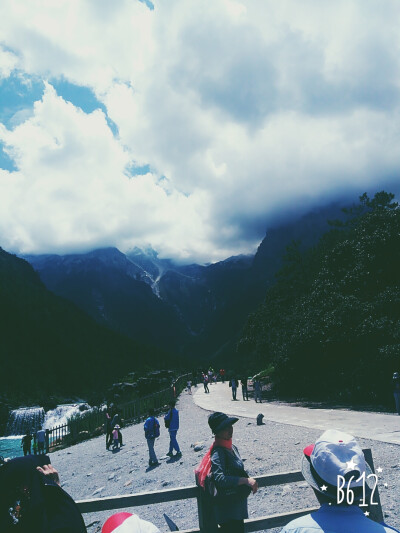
(88, 470)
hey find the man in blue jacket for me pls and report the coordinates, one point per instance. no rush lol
(152, 432)
(171, 420)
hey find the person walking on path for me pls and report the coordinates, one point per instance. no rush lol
(335, 456)
(230, 478)
(189, 387)
(26, 444)
(152, 432)
(245, 392)
(233, 382)
(41, 440)
(108, 430)
(171, 420)
(257, 390)
(205, 383)
(396, 391)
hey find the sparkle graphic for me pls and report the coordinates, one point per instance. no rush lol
(379, 470)
(324, 487)
(366, 513)
(351, 464)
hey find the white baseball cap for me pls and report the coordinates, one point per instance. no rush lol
(128, 523)
(334, 454)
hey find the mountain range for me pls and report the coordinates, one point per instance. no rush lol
(196, 311)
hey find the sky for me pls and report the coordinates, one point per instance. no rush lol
(190, 125)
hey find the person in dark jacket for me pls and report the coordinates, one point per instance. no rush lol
(108, 429)
(152, 432)
(233, 382)
(230, 478)
(396, 391)
(171, 420)
(245, 392)
(26, 444)
(32, 500)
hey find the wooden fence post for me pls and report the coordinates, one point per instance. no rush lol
(47, 441)
(374, 510)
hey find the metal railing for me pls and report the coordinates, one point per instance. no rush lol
(131, 411)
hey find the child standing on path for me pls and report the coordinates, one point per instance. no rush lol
(115, 437)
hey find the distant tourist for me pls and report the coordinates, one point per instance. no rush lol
(232, 483)
(189, 387)
(257, 390)
(171, 420)
(396, 391)
(115, 437)
(205, 383)
(128, 523)
(152, 432)
(26, 444)
(333, 455)
(245, 392)
(41, 440)
(222, 374)
(108, 428)
(233, 383)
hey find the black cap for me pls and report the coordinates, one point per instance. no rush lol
(218, 421)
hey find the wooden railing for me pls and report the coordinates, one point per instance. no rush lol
(207, 523)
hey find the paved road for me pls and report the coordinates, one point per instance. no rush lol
(381, 427)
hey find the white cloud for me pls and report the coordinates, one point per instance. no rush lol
(8, 63)
(240, 109)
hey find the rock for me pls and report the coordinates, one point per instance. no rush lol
(297, 442)
(97, 491)
(89, 474)
(165, 483)
(82, 435)
(198, 446)
(127, 483)
(111, 476)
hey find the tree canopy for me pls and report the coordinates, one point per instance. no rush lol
(330, 324)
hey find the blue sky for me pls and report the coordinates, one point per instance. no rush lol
(190, 127)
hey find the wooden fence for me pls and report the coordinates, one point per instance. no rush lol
(132, 411)
(207, 523)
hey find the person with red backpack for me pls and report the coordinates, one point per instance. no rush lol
(152, 432)
(222, 475)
